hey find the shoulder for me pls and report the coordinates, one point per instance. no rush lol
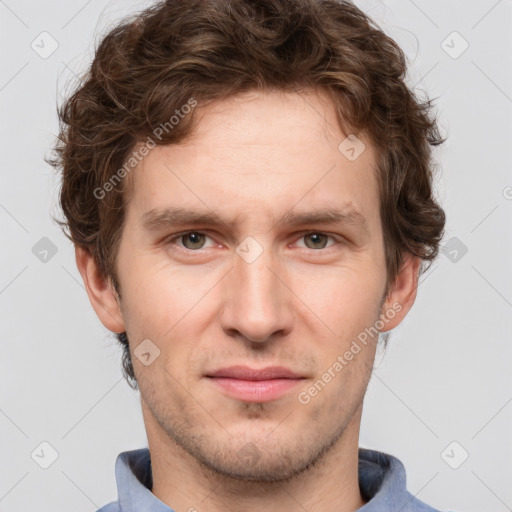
(110, 507)
(416, 505)
(382, 481)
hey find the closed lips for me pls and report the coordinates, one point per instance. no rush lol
(246, 373)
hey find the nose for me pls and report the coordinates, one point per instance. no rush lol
(257, 300)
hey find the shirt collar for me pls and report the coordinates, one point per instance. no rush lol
(134, 480)
(382, 482)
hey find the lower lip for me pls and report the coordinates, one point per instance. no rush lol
(255, 390)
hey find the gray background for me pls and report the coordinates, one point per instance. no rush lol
(446, 375)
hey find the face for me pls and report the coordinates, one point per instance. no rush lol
(252, 259)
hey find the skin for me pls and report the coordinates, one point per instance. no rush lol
(300, 305)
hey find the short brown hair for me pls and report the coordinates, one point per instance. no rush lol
(152, 64)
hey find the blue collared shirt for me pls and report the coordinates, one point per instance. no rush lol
(381, 481)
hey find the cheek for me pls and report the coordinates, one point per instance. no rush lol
(171, 307)
(341, 294)
(149, 302)
(349, 309)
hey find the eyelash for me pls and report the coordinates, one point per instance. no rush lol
(302, 235)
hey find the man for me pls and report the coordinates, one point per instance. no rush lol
(248, 187)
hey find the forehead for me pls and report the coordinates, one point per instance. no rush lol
(260, 153)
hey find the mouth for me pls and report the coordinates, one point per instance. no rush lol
(255, 385)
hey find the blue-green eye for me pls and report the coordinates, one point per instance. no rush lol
(196, 240)
(193, 240)
(318, 240)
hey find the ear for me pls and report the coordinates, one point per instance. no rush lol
(100, 289)
(401, 294)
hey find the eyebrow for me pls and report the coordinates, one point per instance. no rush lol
(157, 219)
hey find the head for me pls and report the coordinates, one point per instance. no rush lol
(251, 114)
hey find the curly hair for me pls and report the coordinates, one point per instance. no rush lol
(149, 66)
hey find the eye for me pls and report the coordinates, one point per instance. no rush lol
(316, 240)
(195, 240)
(191, 240)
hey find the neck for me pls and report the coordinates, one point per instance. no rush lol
(186, 485)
